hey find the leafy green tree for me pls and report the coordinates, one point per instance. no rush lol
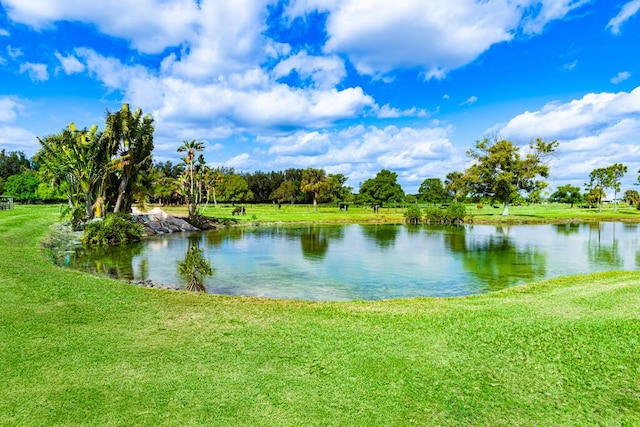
(338, 190)
(23, 186)
(48, 193)
(432, 190)
(234, 188)
(500, 172)
(632, 197)
(382, 189)
(315, 183)
(602, 178)
(12, 163)
(566, 194)
(76, 162)
(129, 138)
(455, 185)
(287, 191)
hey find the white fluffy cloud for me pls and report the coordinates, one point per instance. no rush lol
(379, 36)
(36, 72)
(324, 72)
(70, 64)
(628, 10)
(150, 25)
(595, 131)
(360, 152)
(620, 77)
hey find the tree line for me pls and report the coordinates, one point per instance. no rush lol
(98, 171)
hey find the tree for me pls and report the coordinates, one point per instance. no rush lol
(500, 172)
(287, 191)
(602, 178)
(632, 197)
(566, 194)
(382, 189)
(338, 191)
(191, 148)
(431, 190)
(12, 163)
(455, 185)
(234, 188)
(76, 162)
(23, 186)
(315, 183)
(129, 137)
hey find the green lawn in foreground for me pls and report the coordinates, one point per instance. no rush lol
(82, 350)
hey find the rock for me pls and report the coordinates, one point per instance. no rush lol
(157, 221)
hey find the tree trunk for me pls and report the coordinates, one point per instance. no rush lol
(505, 211)
(315, 203)
(122, 189)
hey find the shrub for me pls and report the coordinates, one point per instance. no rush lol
(115, 229)
(453, 214)
(412, 215)
(193, 268)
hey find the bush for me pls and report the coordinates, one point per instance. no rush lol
(193, 268)
(115, 229)
(412, 215)
(453, 214)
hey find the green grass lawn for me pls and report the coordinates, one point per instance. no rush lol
(83, 350)
(261, 213)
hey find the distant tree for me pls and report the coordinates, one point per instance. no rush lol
(382, 189)
(566, 194)
(315, 183)
(263, 184)
(191, 148)
(338, 190)
(632, 197)
(234, 188)
(432, 191)
(12, 163)
(287, 191)
(455, 185)
(602, 178)
(500, 172)
(129, 136)
(23, 186)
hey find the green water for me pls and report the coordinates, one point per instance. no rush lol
(369, 262)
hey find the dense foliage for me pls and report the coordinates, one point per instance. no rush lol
(114, 229)
(193, 268)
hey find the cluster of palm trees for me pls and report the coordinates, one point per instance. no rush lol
(99, 171)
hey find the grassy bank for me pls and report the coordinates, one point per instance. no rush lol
(82, 350)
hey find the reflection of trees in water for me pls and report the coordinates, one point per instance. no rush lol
(115, 262)
(314, 241)
(384, 235)
(602, 250)
(217, 237)
(495, 260)
(568, 228)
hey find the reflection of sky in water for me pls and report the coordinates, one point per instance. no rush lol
(387, 261)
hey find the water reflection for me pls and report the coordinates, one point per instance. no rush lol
(346, 262)
(383, 235)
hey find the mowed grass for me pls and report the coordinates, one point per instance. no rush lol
(330, 213)
(83, 350)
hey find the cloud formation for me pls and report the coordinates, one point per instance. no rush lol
(628, 10)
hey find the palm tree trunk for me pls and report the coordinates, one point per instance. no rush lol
(122, 189)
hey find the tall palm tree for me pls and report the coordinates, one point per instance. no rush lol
(191, 148)
(130, 140)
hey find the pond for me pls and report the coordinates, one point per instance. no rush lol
(370, 262)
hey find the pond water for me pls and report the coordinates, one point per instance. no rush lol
(370, 262)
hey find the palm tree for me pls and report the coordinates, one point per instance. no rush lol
(314, 181)
(191, 148)
(130, 140)
(75, 160)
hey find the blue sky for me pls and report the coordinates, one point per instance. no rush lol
(351, 86)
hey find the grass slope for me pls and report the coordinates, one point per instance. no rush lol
(82, 350)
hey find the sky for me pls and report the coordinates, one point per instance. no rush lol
(349, 86)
